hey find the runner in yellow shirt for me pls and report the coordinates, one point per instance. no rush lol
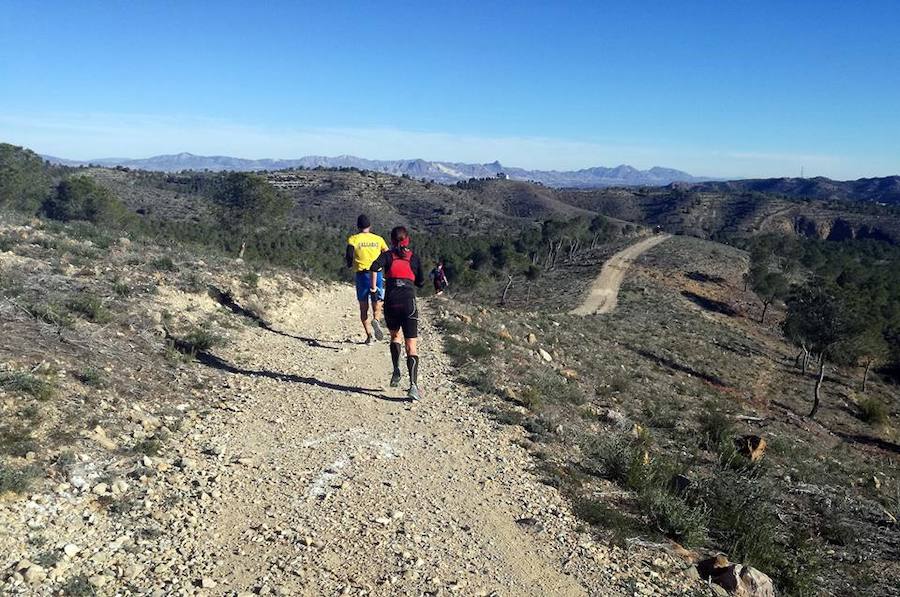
(362, 249)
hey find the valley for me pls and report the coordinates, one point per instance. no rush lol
(187, 407)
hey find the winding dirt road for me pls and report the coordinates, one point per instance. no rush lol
(604, 290)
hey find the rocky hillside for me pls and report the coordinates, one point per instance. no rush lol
(868, 190)
(335, 197)
(678, 416)
(721, 212)
(175, 424)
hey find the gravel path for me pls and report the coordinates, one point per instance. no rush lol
(296, 472)
(337, 484)
(603, 294)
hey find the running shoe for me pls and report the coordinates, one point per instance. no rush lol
(413, 393)
(395, 378)
(369, 340)
(376, 327)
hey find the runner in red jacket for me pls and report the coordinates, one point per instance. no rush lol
(402, 275)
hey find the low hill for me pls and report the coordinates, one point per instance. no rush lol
(718, 210)
(869, 190)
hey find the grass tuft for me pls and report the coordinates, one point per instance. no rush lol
(250, 279)
(91, 377)
(78, 586)
(164, 264)
(16, 480)
(51, 313)
(463, 351)
(89, 307)
(26, 383)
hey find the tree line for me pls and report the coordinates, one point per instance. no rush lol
(252, 219)
(842, 301)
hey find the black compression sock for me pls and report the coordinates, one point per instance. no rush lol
(395, 355)
(412, 364)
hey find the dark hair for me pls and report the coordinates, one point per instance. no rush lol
(398, 235)
(363, 222)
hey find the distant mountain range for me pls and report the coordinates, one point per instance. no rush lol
(444, 172)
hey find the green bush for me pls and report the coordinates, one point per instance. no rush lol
(715, 428)
(121, 289)
(78, 586)
(546, 385)
(26, 383)
(615, 458)
(199, 339)
(596, 513)
(192, 283)
(81, 198)
(873, 411)
(742, 521)
(51, 313)
(675, 517)
(90, 307)
(16, 440)
(91, 377)
(481, 381)
(250, 279)
(16, 480)
(148, 447)
(164, 264)
(462, 351)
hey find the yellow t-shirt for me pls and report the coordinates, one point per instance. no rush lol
(366, 249)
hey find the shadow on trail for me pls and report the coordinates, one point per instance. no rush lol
(211, 360)
(857, 438)
(225, 299)
(675, 366)
(314, 342)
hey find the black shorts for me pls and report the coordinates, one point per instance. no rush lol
(402, 313)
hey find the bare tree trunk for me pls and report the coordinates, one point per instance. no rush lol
(805, 359)
(818, 393)
(573, 249)
(506, 290)
(762, 318)
(799, 356)
(866, 375)
(243, 248)
(555, 253)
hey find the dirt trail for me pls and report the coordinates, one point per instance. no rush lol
(324, 482)
(604, 290)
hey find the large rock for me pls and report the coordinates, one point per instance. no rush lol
(35, 575)
(751, 446)
(737, 579)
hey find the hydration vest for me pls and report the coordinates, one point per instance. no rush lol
(400, 266)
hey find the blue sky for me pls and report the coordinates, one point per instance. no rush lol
(718, 87)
